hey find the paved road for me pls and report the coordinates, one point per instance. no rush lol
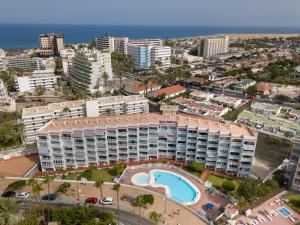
(126, 218)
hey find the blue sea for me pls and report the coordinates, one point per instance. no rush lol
(21, 36)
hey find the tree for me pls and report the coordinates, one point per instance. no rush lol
(118, 170)
(66, 110)
(39, 90)
(92, 44)
(228, 185)
(16, 186)
(139, 202)
(47, 181)
(63, 188)
(8, 211)
(116, 188)
(155, 217)
(105, 78)
(99, 184)
(36, 189)
(248, 189)
(252, 90)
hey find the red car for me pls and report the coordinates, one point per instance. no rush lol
(91, 200)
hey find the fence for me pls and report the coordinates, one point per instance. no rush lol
(8, 154)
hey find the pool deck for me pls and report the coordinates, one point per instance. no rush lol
(205, 198)
(277, 219)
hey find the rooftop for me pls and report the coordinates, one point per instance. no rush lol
(137, 87)
(169, 90)
(226, 99)
(198, 105)
(265, 106)
(201, 94)
(104, 122)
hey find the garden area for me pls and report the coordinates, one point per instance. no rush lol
(293, 201)
(223, 182)
(94, 174)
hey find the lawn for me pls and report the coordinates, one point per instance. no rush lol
(217, 181)
(107, 175)
(294, 201)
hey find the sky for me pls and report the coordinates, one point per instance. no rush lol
(278, 13)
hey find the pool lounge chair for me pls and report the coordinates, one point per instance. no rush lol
(269, 217)
(255, 221)
(292, 219)
(274, 213)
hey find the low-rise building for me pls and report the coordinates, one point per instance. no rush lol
(243, 85)
(202, 95)
(34, 118)
(266, 109)
(82, 142)
(294, 114)
(25, 62)
(141, 88)
(39, 78)
(191, 106)
(168, 92)
(227, 101)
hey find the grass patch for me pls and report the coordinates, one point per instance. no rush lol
(107, 175)
(294, 201)
(217, 181)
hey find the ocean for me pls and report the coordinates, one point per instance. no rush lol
(22, 36)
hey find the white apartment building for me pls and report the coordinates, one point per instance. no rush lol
(51, 44)
(43, 78)
(67, 56)
(88, 69)
(3, 93)
(161, 54)
(7, 103)
(25, 62)
(34, 118)
(209, 47)
(112, 44)
(145, 55)
(142, 42)
(82, 142)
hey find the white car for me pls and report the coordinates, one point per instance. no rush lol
(23, 195)
(107, 201)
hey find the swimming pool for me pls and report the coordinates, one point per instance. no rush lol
(284, 212)
(177, 187)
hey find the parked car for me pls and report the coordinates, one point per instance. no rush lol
(49, 197)
(8, 194)
(91, 200)
(107, 201)
(23, 195)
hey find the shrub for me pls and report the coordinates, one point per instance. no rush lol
(228, 185)
(118, 170)
(196, 166)
(15, 186)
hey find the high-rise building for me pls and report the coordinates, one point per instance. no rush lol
(145, 55)
(82, 142)
(35, 117)
(67, 56)
(209, 47)
(142, 42)
(88, 71)
(51, 44)
(112, 44)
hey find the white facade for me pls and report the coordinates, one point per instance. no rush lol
(7, 103)
(25, 63)
(112, 44)
(3, 93)
(67, 56)
(213, 46)
(161, 54)
(142, 42)
(43, 78)
(88, 69)
(82, 142)
(34, 118)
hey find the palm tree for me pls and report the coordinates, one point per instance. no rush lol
(155, 217)
(8, 211)
(99, 184)
(105, 78)
(139, 201)
(47, 181)
(36, 189)
(116, 188)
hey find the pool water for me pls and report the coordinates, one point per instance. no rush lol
(141, 179)
(284, 212)
(179, 189)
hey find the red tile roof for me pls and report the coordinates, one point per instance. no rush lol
(169, 90)
(137, 87)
